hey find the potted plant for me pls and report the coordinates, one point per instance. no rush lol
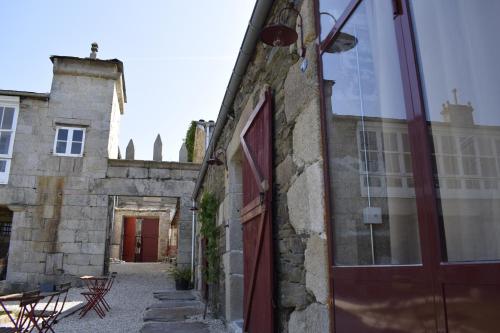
(182, 277)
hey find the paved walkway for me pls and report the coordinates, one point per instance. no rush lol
(131, 295)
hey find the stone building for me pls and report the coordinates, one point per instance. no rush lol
(352, 195)
(61, 181)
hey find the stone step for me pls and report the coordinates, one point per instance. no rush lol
(176, 304)
(181, 295)
(171, 314)
(177, 327)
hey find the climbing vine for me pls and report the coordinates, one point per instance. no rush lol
(190, 140)
(208, 210)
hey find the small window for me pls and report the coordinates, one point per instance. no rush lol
(8, 120)
(69, 141)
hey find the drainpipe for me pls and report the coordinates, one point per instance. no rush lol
(193, 235)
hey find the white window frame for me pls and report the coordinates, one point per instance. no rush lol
(9, 102)
(69, 141)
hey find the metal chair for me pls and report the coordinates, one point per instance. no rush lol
(54, 307)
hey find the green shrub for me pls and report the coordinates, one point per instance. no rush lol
(208, 210)
(183, 274)
(190, 141)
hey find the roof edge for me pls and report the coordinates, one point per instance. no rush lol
(26, 94)
(257, 21)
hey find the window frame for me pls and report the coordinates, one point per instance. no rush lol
(9, 102)
(69, 141)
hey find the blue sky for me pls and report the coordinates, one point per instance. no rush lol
(178, 56)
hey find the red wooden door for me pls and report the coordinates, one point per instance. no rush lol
(256, 219)
(129, 239)
(149, 244)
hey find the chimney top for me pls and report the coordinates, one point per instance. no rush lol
(94, 48)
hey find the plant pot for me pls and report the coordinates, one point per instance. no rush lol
(182, 284)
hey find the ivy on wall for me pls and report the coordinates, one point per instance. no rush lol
(208, 211)
(190, 141)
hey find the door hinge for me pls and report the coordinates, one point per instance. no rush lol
(397, 8)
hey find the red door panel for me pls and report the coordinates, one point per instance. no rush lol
(149, 249)
(129, 239)
(256, 219)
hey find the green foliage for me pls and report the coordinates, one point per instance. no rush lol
(208, 210)
(183, 274)
(190, 140)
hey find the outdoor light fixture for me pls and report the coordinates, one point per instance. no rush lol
(215, 160)
(343, 42)
(279, 34)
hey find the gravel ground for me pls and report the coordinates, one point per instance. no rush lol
(129, 297)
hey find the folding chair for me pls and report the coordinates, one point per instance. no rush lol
(98, 288)
(106, 290)
(94, 296)
(54, 307)
(25, 322)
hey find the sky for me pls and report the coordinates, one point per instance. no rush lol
(178, 56)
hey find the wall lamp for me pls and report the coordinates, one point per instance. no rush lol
(279, 34)
(215, 160)
(343, 42)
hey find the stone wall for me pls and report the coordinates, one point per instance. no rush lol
(59, 227)
(155, 179)
(301, 265)
(61, 207)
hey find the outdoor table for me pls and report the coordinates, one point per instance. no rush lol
(26, 311)
(95, 296)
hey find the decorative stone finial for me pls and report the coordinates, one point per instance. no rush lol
(94, 48)
(157, 149)
(455, 96)
(130, 151)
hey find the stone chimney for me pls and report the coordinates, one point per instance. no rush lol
(458, 114)
(157, 149)
(94, 49)
(203, 134)
(130, 151)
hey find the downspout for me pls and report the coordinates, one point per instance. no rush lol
(193, 235)
(257, 20)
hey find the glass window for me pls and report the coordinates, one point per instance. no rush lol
(69, 141)
(374, 213)
(8, 119)
(459, 68)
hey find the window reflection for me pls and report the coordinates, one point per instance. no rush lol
(460, 70)
(373, 198)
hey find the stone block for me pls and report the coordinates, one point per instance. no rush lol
(292, 295)
(53, 263)
(66, 235)
(233, 262)
(159, 173)
(314, 319)
(307, 135)
(316, 265)
(77, 259)
(93, 248)
(305, 200)
(69, 247)
(138, 173)
(234, 297)
(285, 172)
(178, 327)
(301, 88)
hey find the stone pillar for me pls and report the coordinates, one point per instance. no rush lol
(183, 154)
(184, 245)
(130, 151)
(157, 149)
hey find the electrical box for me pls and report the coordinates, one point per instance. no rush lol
(372, 215)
